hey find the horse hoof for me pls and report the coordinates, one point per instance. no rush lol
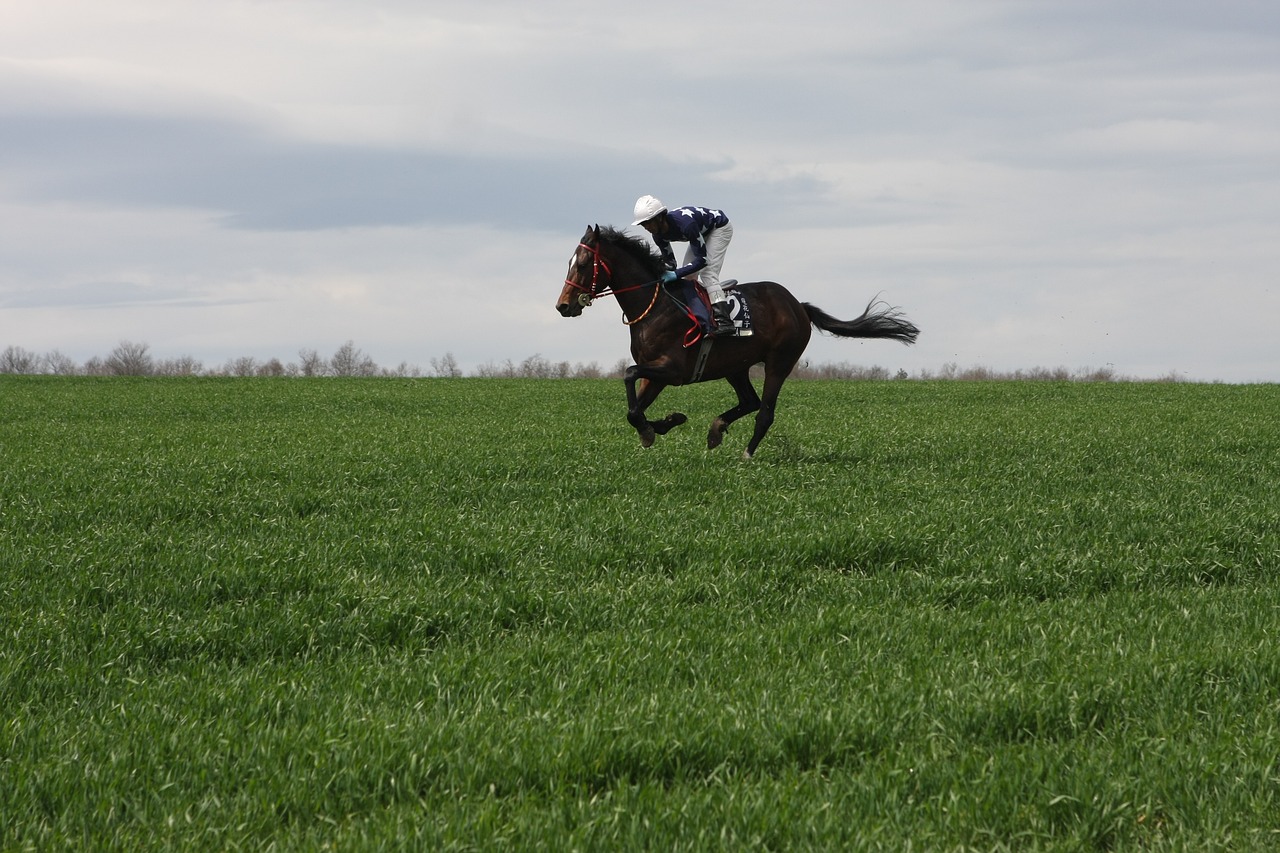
(716, 434)
(646, 438)
(668, 423)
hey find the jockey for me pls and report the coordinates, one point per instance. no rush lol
(707, 232)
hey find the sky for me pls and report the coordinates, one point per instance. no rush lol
(1080, 184)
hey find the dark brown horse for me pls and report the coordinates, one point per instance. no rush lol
(609, 261)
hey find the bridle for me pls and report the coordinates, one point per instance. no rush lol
(597, 263)
(589, 294)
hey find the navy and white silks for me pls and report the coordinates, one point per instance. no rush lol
(708, 233)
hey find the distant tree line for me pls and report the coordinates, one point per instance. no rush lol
(135, 359)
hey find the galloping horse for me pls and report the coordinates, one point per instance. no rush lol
(609, 261)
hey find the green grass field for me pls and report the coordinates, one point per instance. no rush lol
(472, 614)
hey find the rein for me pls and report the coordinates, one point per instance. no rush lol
(652, 303)
(590, 293)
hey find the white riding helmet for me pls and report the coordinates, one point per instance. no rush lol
(648, 207)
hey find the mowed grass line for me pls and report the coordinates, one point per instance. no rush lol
(472, 613)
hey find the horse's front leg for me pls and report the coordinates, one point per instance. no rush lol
(644, 384)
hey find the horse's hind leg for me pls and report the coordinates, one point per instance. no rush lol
(748, 402)
(773, 379)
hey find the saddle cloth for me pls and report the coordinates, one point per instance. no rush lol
(700, 311)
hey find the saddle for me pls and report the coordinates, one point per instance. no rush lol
(698, 307)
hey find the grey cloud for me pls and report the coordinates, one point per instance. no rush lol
(111, 294)
(263, 182)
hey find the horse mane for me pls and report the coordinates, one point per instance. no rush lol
(643, 254)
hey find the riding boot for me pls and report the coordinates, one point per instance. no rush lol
(720, 317)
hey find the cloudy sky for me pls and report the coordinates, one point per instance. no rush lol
(1037, 183)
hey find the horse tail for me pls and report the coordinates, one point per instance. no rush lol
(875, 322)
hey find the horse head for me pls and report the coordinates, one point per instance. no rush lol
(588, 275)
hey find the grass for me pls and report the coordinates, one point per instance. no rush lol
(466, 614)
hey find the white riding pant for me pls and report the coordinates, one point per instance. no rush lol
(717, 244)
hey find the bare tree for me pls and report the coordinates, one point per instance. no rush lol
(18, 360)
(311, 363)
(245, 365)
(492, 370)
(183, 365)
(130, 359)
(535, 367)
(351, 361)
(446, 367)
(404, 370)
(58, 364)
(272, 367)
